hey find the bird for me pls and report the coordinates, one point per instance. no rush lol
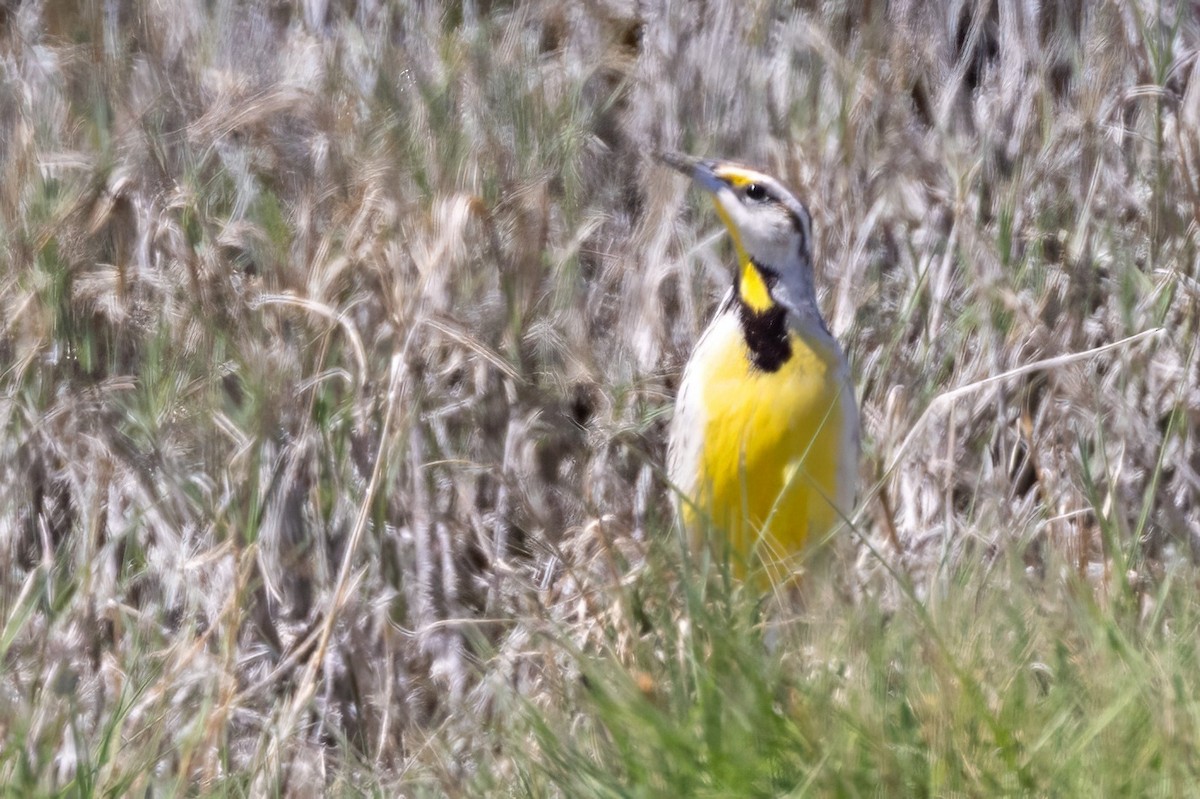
(764, 443)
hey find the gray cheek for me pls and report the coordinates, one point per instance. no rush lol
(781, 241)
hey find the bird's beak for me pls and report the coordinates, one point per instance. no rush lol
(703, 173)
(699, 170)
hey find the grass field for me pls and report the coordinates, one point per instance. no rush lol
(338, 343)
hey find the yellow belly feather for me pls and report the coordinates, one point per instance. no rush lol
(768, 470)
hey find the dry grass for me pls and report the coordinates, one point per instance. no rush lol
(339, 339)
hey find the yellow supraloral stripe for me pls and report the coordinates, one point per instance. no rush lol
(738, 177)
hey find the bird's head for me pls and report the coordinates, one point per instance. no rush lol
(770, 228)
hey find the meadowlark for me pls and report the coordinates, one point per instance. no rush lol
(764, 442)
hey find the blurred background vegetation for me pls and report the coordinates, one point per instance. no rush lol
(339, 340)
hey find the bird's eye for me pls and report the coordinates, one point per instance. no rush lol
(756, 192)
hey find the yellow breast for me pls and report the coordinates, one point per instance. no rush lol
(772, 454)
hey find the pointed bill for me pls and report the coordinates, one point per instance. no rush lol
(702, 171)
